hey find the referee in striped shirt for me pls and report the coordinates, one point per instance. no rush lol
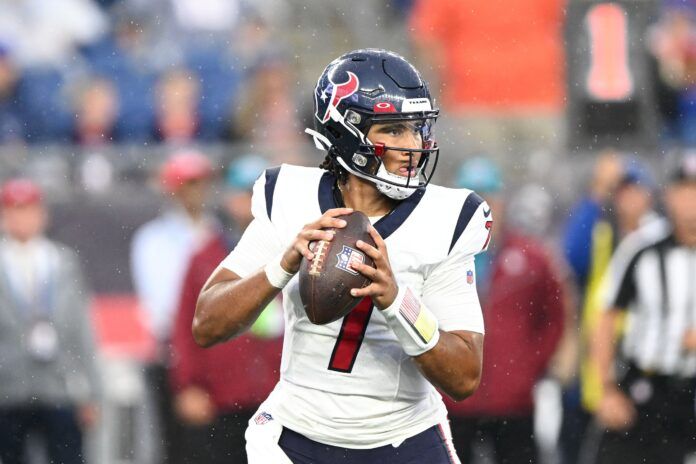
(647, 406)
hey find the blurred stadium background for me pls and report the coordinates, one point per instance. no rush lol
(95, 94)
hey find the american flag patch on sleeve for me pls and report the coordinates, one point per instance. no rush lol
(262, 418)
(420, 319)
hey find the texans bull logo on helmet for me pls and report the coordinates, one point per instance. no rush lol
(332, 95)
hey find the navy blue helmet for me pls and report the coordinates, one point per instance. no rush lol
(370, 86)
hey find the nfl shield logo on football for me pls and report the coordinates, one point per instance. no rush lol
(469, 276)
(262, 418)
(347, 257)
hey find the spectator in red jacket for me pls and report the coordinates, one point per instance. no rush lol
(524, 316)
(218, 389)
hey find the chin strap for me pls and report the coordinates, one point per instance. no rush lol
(342, 162)
(392, 191)
(395, 192)
(320, 141)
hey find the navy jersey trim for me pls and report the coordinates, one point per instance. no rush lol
(470, 206)
(326, 197)
(392, 221)
(271, 179)
(385, 226)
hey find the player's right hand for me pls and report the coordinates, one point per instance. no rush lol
(615, 411)
(311, 232)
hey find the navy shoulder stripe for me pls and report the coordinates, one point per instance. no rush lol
(470, 206)
(271, 179)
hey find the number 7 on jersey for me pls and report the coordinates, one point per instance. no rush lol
(350, 337)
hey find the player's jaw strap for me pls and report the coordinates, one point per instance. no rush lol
(320, 141)
(414, 324)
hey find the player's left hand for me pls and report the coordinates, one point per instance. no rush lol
(383, 289)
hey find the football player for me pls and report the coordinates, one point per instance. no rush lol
(361, 389)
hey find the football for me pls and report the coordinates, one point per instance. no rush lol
(326, 281)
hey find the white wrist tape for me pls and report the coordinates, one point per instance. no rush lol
(276, 275)
(414, 325)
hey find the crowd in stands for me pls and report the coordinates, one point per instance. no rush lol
(128, 71)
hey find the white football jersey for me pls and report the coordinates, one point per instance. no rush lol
(349, 383)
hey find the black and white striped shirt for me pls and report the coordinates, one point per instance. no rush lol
(654, 278)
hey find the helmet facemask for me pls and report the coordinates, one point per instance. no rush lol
(366, 161)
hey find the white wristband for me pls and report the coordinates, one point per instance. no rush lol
(276, 275)
(415, 325)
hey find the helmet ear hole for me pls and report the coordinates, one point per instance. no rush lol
(334, 132)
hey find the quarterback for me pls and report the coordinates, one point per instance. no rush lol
(361, 389)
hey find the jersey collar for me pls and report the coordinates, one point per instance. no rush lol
(385, 226)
